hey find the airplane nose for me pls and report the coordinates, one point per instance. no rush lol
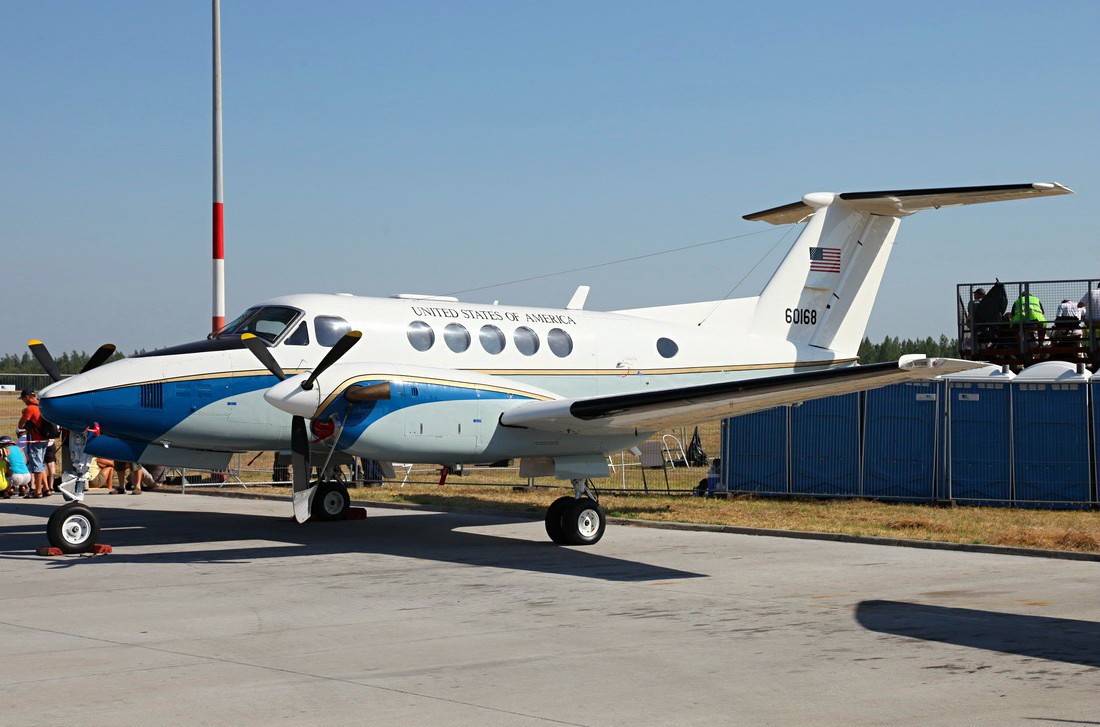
(74, 411)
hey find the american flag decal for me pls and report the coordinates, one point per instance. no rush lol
(825, 259)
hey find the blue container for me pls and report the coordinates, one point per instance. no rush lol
(1050, 436)
(979, 431)
(1095, 380)
(900, 441)
(825, 446)
(754, 452)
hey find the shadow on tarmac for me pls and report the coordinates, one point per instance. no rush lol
(1040, 637)
(427, 536)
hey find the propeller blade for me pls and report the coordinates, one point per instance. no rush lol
(374, 392)
(45, 360)
(99, 357)
(260, 350)
(299, 462)
(342, 346)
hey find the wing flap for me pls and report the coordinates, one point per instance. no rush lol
(653, 410)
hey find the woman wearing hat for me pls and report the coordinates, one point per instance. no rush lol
(16, 465)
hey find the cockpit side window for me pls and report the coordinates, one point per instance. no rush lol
(329, 329)
(300, 337)
(268, 322)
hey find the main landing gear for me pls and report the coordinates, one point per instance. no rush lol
(576, 520)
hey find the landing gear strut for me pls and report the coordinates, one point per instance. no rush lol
(576, 520)
(73, 528)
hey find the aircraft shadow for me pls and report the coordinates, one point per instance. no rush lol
(1040, 637)
(427, 536)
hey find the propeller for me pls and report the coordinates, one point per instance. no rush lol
(303, 490)
(46, 361)
(260, 351)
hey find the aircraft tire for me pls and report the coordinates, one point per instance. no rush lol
(583, 522)
(73, 528)
(331, 501)
(554, 515)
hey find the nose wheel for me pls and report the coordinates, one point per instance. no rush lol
(73, 528)
(330, 502)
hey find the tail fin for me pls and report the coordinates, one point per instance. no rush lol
(822, 292)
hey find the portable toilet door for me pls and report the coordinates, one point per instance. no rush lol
(1095, 386)
(900, 435)
(754, 452)
(825, 446)
(979, 436)
(1050, 436)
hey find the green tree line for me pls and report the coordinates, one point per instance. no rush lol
(891, 348)
(70, 362)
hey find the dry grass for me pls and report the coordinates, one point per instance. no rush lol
(1073, 530)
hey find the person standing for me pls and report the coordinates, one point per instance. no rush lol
(31, 420)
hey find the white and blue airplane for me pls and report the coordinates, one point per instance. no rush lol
(431, 379)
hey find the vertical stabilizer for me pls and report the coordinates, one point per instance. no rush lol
(822, 292)
(824, 289)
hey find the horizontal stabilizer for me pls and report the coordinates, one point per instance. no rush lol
(654, 410)
(901, 202)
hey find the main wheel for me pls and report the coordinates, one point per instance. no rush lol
(330, 502)
(73, 528)
(553, 519)
(583, 522)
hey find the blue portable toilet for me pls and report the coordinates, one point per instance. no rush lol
(901, 432)
(1095, 381)
(754, 452)
(825, 446)
(979, 436)
(1050, 436)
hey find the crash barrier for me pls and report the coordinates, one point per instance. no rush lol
(985, 437)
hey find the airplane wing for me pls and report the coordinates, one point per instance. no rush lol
(900, 202)
(655, 410)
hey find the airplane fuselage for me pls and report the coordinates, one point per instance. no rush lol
(455, 367)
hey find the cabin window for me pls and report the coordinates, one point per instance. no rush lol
(456, 337)
(492, 339)
(268, 322)
(527, 341)
(667, 347)
(560, 342)
(421, 335)
(300, 337)
(330, 329)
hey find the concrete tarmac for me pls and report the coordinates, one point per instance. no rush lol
(214, 611)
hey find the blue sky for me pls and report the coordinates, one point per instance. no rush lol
(431, 147)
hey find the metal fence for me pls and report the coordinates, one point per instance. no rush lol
(1033, 321)
(659, 465)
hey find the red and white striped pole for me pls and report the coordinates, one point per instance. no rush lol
(218, 321)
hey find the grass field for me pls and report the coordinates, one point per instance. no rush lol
(1073, 530)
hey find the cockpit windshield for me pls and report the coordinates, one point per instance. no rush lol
(267, 322)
